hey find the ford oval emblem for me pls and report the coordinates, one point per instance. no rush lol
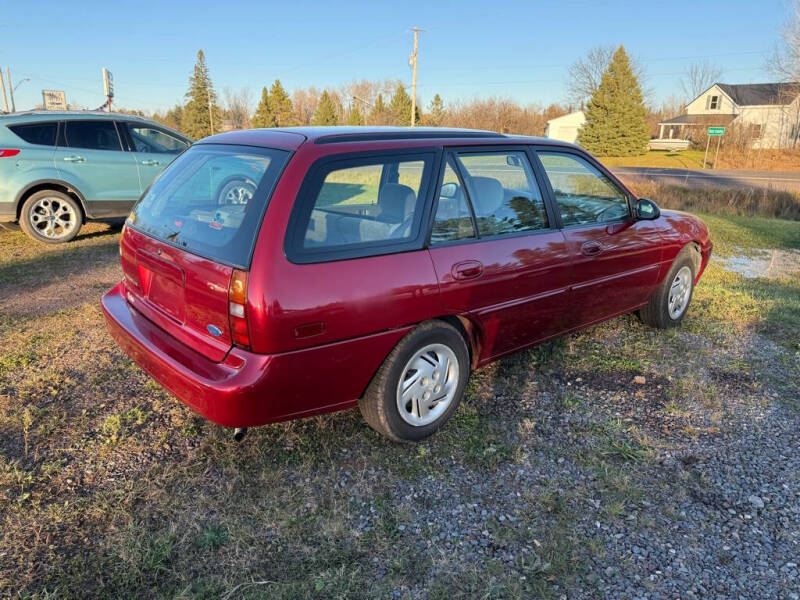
(214, 330)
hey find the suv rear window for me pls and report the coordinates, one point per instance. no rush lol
(211, 199)
(43, 134)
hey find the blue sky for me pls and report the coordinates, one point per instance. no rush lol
(509, 48)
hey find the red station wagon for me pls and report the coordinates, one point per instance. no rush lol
(282, 273)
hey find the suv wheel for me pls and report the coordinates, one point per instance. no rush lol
(51, 217)
(667, 307)
(419, 385)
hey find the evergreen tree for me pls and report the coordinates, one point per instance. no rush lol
(326, 111)
(263, 116)
(400, 106)
(354, 117)
(616, 116)
(201, 115)
(436, 114)
(281, 105)
(379, 113)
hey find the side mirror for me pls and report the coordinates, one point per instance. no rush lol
(449, 190)
(647, 210)
(512, 160)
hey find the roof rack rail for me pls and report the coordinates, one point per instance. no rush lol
(337, 138)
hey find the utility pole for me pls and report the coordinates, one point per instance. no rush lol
(11, 89)
(3, 89)
(412, 60)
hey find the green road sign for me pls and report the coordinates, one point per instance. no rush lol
(716, 130)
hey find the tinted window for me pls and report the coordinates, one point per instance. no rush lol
(94, 135)
(453, 219)
(38, 133)
(364, 202)
(211, 200)
(147, 139)
(584, 195)
(503, 192)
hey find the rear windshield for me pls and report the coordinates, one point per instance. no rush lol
(211, 199)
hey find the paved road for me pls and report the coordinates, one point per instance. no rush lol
(777, 180)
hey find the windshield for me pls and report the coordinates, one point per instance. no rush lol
(211, 199)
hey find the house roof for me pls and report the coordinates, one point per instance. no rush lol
(712, 119)
(760, 94)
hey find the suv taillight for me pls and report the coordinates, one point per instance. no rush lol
(8, 152)
(237, 308)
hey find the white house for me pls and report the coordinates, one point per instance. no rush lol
(565, 128)
(768, 113)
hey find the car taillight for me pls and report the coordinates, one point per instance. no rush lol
(237, 308)
(8, 152)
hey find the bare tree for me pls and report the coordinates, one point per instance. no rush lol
(238, 106)
(585, 74)
(785, 62)
(698, 77)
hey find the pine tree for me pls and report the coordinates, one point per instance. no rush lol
(436, 113)
(616, 116)
(281, 105)
(201, 115)
(400, 106)
(379, 113)
(263, 116)
(354, 117)
(326, 111)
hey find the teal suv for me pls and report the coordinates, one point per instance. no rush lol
(60, 169)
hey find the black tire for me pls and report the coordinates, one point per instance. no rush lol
(656, 312)
(379, 405)
(240, 188)
(34, 222)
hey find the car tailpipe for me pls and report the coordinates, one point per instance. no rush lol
(239, 433)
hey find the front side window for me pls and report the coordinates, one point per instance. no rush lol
(43, 134)
(583, 194)
(148, 139)
(453, 220)
(362, 202)
(210, 200)
(92, 135)
(503, 192)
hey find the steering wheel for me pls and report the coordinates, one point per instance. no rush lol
(600, 217)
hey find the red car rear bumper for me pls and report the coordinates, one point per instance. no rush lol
(248, 389)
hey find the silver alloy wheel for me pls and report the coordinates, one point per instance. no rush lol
(428, 385)
(52, 217)
(237, 193)
(679, 292)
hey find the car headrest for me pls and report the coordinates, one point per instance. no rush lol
(396, 202)
(488, 195)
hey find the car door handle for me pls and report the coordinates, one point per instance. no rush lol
(74, 158)
(591, 248)
(469, 269)
(151, 163)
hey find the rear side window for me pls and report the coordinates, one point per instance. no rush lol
(211, 199)
(43, 134)
(92, 135)
(360, 204)
(504, 194)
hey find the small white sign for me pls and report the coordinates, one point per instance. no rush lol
(108, 83)
(54, 100)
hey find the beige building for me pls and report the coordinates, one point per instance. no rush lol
(565, 127)
(768, 114)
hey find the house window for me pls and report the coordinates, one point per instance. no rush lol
(712, 103)
(756, 130)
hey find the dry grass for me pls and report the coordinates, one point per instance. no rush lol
(110, 488)
(748, 202)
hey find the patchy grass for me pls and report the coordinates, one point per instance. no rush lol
(686, 159)
(111, 488)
